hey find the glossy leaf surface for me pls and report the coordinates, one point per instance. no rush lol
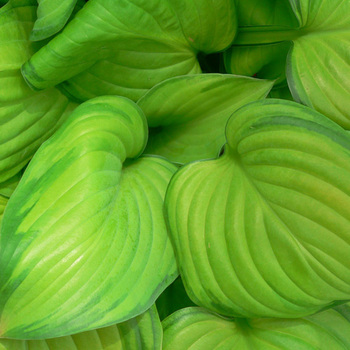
(143, 332)
(187, 115)
(126, 47)
(27, 118)
(263, 231)
(75, 252)
(199, 329)
(318, 62)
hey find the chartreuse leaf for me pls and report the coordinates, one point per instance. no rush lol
(27, 118)
(318, 59)
(52, 16)
(263, 231)
(191, 124)
(126, 47)
(172, 299)
(263, 61)
(84, 243)
(199, 329)
(143, 332)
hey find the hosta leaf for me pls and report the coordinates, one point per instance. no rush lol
(207, 25)
(84, 243)
(27, 118)
(172, 299)
(126, 47)
(264, 61)
(318, 60)
(3, 202)
(191, 124)
(282, 93)
(7, 187)
(199, 329)
(52, 16)
(263, 231)
(143, 332)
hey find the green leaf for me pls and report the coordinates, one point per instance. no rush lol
(191, 124)
(3, 203)
(172, 299)
(281, 93)
(318, 60)
(7, 187)
(263, 61)
(52, 16)
(84, 243)
(126, 47)
(27, 118)
(199, 329)
(143, 332)
(263, 231)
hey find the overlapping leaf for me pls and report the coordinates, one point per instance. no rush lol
(143, 332)
(187, 115)
(266, 61)
(126, 47)
(26, 118)
(7, 187)
(172, 299)
(263, 231)
(84, 243)
(52, 16)
(199, 329)
(318, 61)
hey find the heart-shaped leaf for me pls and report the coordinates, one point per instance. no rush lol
(199, 329)
(191, 124)
(84, 243)
(27, 118)
(318, 60)
(143, 332)
(126, 47)
(263, 231)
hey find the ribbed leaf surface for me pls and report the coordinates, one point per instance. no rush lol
(84, 243)
(263, 231)
(27, 118)
(191, 124)
(143, 332)
(126, 47)
(318, 60)
(199, 329)
(52, 16)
